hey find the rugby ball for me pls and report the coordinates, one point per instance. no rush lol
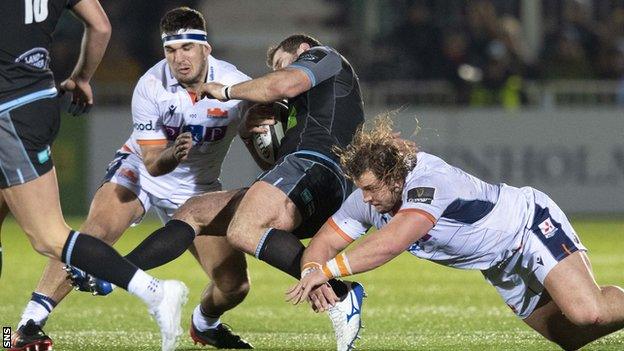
(266, 145)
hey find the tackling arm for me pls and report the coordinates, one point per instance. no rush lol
(325, 244)
(388, 242)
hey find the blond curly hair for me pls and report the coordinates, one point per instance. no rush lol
(375, 148)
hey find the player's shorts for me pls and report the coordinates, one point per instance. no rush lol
(547, 239)
(315, 183)
(127, 170)
(28, 126)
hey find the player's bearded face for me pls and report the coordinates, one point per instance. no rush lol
(187, 61)
(378, 194)
(282, 58)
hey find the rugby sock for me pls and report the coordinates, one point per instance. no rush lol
(89, 254)
(38, 309)
(163, 246)
(283, 250)
(202, 321)
(146, 287)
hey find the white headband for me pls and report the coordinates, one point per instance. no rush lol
(185, 35)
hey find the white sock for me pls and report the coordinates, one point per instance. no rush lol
(203, 322)
(146, 287)
(38, 309)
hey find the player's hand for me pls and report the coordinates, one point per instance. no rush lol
(258, 117)
(301, 291)
(212, 91)
(182, 146)
(82, 95)
(322, 298)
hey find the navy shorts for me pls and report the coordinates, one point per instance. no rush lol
(316, 185)
(27, 131)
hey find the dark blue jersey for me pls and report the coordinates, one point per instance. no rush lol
(329, 113)
(27, 27)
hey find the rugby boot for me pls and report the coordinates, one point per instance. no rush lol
(220, 337)
(30, 337)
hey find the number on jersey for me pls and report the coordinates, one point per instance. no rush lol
(35, 9)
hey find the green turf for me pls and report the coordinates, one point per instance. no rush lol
(412, 304)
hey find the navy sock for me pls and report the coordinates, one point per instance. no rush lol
(283, 250)
(163, 246)
(97, 258)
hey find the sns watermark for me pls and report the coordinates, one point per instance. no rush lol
(6, 337)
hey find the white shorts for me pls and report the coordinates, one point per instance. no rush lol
(127, 169)
(547, 239)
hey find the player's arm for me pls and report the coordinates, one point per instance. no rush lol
(97, 32)
(325, 244)
(284, 83)
(405, 228)
(375, 250)
(160, 158)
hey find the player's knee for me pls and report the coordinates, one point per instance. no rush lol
(234, 285)
(104, 231)
(48, 247)
(590, 314)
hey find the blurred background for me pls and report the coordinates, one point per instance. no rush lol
(527, 92)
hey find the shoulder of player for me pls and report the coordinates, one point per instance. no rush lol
(226, 73)
(155, 77)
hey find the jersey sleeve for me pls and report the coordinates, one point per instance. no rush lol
(429, 196)
(319, 63)
(352, 220)
(147, 126)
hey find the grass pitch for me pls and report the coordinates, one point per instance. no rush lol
(412, 304)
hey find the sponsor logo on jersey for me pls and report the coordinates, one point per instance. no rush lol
(422, 195)
(37, 57)
(143, 126)
(128, 174)
(216, 113)
(547, 228)
(215, 133)
(172, 132)
(315, 56)
(539, 260)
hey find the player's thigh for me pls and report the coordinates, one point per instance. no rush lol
(572, 287)
(113, 209)
(225, 266)
(212, 212)
(265, 206)
(36, 208)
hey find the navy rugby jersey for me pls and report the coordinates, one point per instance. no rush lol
(329, 113)
(27, 27)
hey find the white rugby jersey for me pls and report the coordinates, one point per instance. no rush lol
(162, 109)
(476, 224)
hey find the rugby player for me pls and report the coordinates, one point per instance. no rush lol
(175, 152)
(294, 197)
(517, 237)
(29, 121)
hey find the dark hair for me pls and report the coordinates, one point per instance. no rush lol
(182, 17)
(290, 45)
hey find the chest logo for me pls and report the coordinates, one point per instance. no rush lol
(216, 113)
